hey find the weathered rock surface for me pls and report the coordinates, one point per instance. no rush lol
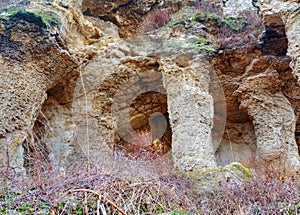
(125, 14)
(236, 8)
(287, 13)
(132, 76)
(195, 119)
(209, 180)
(129, 15)
(261, 97)
(33, 58)
(261, 85)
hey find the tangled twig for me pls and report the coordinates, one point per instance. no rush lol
(98, 195)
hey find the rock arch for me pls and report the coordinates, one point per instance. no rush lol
(184, 80)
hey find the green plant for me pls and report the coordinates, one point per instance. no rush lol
(207, 18)
(239, 31)
(42, 18)
(9, 203)
(10, 12)
(236, 23)
(49, 18)
(201, 44)
(201, 40)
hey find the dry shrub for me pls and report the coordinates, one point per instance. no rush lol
(209, 7)
(141, 138)
(154, 20)
(166, 192)
(139, 197)
(144, 147)
(270, 191)
(228, 38)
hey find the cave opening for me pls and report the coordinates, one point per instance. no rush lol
(151, 136)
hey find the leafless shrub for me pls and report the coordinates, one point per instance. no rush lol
(228, 38)
(269, 191)
(165, 193)
(154, 20)
(209, 7)
(144, 147)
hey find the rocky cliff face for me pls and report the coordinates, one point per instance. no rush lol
(33, 58)
(203, 89)
(286, 14)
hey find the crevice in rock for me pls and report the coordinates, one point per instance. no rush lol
(152, 136)
(49, 143)
(36, 152)
(274, 41)
(238, 143)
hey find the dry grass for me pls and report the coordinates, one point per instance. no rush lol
(229, 38)
(144, 147)
(269, 191)
(60, 193)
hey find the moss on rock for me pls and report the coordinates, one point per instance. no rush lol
(209, 180)
(42, 19)
(203, 45)
(236, 23)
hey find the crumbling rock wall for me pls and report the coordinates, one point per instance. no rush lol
(129, 15)
(33, 59)
(287, 13)
(113, 89)
(261, 97)
(125, 14)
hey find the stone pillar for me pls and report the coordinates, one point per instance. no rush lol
(273, 117)
(190, 108)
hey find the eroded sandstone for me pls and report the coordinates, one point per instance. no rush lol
(33, 59)
(287, 13)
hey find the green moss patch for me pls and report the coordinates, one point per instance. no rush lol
(209, 180)
(236, 23)
(203, 45)
(235, 168)
(214, 21)
(42, 19)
